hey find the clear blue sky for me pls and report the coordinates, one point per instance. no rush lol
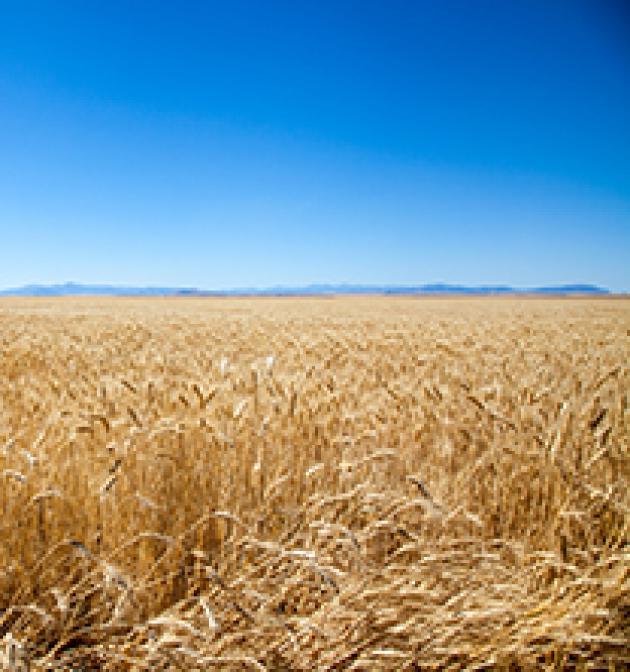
(259, 143)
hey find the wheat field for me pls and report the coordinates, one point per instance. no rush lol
(314, 484)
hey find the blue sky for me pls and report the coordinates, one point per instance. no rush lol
(238, 144)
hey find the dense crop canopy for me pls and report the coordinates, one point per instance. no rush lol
(314, 484)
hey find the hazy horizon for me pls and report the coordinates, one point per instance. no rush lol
(222, 146)
(71, 288)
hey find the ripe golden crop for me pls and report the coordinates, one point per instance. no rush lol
(314, 484)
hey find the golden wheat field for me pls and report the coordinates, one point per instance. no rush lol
(314, 484)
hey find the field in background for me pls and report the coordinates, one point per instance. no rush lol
(314, 484)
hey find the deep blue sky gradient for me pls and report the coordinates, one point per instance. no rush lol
(241, 143)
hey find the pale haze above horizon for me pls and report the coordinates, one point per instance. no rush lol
(221, 145)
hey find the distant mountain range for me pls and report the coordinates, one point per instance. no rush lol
(74, 289)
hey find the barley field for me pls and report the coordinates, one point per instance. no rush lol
(314, 484)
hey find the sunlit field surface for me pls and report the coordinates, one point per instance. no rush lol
(314, 484)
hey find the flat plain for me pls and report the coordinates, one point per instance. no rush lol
(334, 483)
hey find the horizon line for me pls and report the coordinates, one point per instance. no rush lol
(72, 288)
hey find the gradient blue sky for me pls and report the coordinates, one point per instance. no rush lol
(240, 143)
